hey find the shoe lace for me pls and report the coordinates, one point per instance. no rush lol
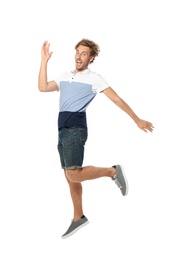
(118, 183)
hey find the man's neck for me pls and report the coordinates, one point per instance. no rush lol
(77, 71)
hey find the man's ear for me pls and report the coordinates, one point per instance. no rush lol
(91, 59)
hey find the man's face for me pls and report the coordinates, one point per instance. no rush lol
(82, 58)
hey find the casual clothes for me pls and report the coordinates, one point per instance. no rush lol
(76, 93)
(71, 147)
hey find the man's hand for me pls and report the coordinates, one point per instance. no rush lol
(43, 84)
(45, 54)
(145, 125)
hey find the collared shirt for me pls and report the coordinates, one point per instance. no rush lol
(76, 93)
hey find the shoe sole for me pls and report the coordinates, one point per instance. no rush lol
(125, 179)
(75, 230)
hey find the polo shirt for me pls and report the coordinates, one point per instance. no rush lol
(77, 90)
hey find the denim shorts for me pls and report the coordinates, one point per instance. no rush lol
(71, 143)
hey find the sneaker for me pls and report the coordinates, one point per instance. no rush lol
(120, 180)
(75, 226)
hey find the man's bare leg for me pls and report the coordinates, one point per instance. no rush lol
(76, 195)
(89, 173)
(75, 177)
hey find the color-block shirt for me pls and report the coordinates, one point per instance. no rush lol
(76, 93)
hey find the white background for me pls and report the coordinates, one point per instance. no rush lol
(136, 59)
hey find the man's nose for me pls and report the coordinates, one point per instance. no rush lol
(78, 55)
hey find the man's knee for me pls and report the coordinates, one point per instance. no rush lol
(73, 174)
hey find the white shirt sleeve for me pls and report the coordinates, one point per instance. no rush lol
(100, 84)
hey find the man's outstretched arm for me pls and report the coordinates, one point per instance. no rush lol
(142, 124)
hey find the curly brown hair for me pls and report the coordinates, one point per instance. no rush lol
(94, 47)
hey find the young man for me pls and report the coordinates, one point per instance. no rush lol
(77, 89)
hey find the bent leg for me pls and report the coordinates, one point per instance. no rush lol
(89, 173)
